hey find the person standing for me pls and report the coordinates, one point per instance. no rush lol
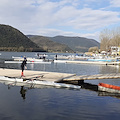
(23, 66)
(56, 56)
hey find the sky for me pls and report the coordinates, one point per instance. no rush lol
(81, 18)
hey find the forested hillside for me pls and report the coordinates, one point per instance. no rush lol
(49, 45)
(12, 39)
(78, 44)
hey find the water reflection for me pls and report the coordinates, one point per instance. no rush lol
(93, 87)
(115, 95)
(23, 92)
(24, 87)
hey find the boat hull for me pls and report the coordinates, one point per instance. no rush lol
(37, 82)
(100, 60)
(108, 88)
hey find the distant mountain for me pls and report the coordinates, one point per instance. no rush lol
(12, 39)
(78, 44)
(49, 45)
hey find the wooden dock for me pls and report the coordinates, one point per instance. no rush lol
(54, 76)
(92, 62)
(87, 62)
(93, 77)
(40, 75)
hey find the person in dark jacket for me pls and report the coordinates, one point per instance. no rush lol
(23, 66)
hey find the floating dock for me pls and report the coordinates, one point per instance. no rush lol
(87, 62)
(33, 78)
(54, 76)
(29, 74)
(41, 61)
(94, 62)
(93, 77)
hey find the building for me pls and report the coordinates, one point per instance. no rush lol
(115, 50)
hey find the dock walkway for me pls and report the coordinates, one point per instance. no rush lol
(94, 62)
(93, 77)
(86, 62)
(54, 76)
(39, 75)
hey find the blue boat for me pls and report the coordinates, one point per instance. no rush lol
(101, 60)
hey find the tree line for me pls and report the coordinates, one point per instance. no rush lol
(109, 38)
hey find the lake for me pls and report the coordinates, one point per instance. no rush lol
(49, 103)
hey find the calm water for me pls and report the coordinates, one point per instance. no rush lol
(59, 104)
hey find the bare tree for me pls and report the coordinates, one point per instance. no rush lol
(93, 49)
(115, 41)
(104, 40)
(109, 38)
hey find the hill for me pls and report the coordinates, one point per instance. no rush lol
(12, 39)
(78, 44)
(49, 45)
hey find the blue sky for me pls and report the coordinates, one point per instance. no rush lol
(83, 18)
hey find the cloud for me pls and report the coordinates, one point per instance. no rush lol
(115, 3)
(57, 17)
(94, 19)
(56, 32)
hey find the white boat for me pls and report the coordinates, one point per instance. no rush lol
(41, 62)
(29, 60)
(73, 57)
(60, 61)
(61, 57)
(14, 81)
(22, 58)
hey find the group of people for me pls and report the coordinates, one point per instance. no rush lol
(41, 56)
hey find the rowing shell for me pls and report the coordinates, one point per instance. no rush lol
(38, 82)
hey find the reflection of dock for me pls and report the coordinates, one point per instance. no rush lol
(89, 86)
(93, 87)
(115, 95)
